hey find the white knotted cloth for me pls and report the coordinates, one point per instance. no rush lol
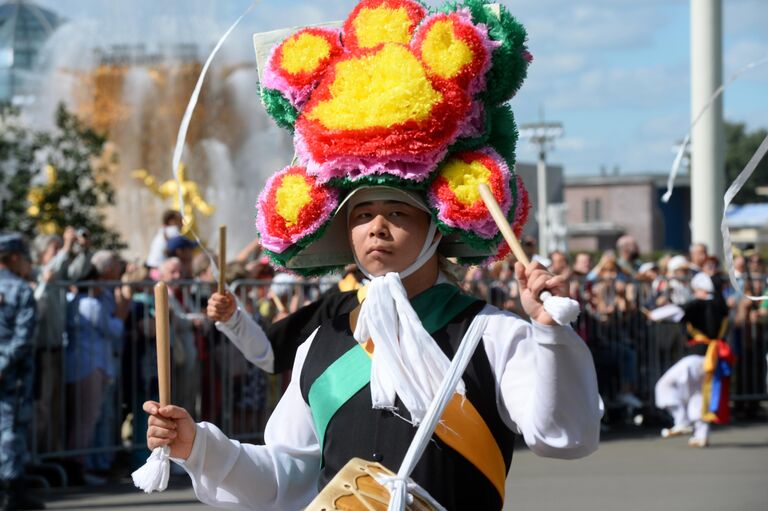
(153, 475)
(563, 310)
(406, 362)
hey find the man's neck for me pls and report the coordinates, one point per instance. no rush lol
(422, 279)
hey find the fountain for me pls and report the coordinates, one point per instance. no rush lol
(137, 94)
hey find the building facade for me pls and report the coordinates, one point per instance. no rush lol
(600, 209)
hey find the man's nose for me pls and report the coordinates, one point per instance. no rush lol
(378, 227)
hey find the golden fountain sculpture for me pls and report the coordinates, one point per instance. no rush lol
(190, 193)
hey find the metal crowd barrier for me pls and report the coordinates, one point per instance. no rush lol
(90, 389)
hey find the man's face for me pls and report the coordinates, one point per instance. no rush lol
(583, 263)
(170, 270)
(386, 236)
(111, 272)
(559, 263)
(698, 255)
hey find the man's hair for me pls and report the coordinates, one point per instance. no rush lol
(102, 260)
(567, 259)
(42, 241)
(625, 242)
(702, 245)
(169, 215)
(200, 263)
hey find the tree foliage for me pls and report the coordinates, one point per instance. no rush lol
(77, 196)
(740, 145)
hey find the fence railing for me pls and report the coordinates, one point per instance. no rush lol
(91, 383)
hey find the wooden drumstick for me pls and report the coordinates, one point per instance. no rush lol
(506, 230)
(502, 223)
(163, 343)
(222, 258)
(278, 303)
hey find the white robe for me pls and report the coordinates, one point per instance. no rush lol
(679, 390)
(546, 390)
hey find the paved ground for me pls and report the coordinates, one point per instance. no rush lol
(628, 473)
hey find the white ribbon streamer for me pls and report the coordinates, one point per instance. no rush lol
(153, 475)
(679, 157)
(407, 361)
(399, 485)
(734, 189)
(181, 137)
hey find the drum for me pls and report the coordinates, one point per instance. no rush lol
(355, 489)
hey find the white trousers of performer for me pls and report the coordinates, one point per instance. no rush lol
(679, 392)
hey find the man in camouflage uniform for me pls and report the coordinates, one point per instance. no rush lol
(17, 325)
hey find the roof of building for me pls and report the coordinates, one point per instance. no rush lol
(656, 178)
(25, 24)
(747, 215)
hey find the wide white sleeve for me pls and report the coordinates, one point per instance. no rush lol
(669, 312)
(281, 474)
(250, 339)
(546, 385)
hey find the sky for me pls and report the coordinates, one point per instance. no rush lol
(614, 72)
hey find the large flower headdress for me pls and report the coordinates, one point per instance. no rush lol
(397, 96)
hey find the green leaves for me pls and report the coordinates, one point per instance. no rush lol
(65, 171)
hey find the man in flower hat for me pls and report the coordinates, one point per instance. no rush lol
(397, 117)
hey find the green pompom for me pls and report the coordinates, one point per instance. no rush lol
(503, 132)
(279, 108)
(509, 66)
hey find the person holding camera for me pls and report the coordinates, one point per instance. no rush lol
(58, 259)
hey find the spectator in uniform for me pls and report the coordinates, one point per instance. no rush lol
(17, 326)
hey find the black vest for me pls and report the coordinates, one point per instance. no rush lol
(357, 430)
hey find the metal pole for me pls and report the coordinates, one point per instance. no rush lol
(707, 140)
(541, 134)
(542, 206)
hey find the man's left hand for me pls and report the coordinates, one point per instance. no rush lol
(533, 280)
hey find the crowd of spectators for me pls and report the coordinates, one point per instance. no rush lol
(95, 338)
(619, 290)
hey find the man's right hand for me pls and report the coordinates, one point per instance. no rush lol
(221, 307)
(172, 426)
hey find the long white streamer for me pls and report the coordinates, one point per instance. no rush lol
(729, 195)
(181, 137)
(681, 151)
(153, 475)
(398, 486)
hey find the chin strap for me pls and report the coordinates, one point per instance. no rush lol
(428, 249)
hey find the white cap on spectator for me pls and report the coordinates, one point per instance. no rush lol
(679, 262)
(702, 282)
(647, 267)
